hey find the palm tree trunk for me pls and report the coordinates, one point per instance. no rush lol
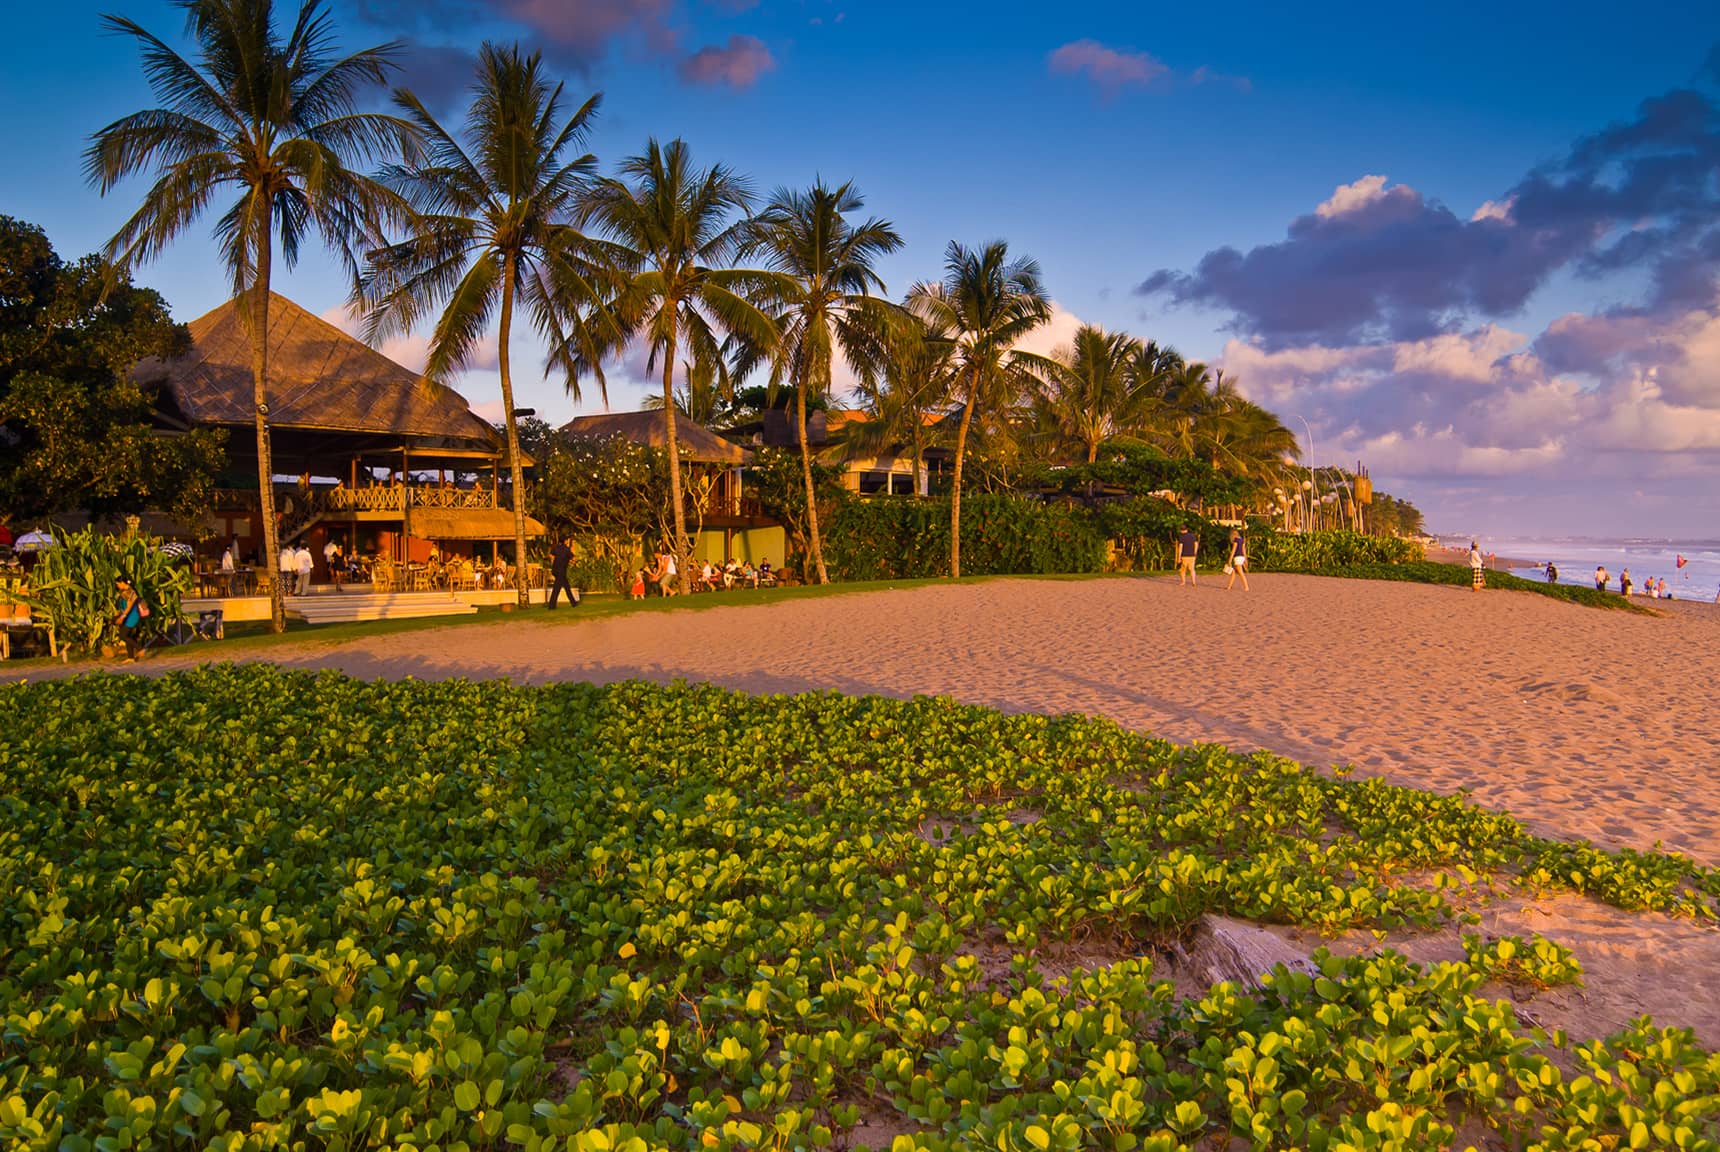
(814, 544)
(682, 577)
(956, 481)
(516, 474)
(260, 404)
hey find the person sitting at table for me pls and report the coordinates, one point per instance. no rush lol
(500, 572)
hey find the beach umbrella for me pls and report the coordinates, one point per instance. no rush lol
(34, 542)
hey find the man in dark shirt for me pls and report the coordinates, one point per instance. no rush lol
(1188, 544)
(559, 558)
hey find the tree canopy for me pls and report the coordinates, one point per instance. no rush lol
(78, 433)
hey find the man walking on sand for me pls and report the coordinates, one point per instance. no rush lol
(1188, 545)
(1238, 565)
(1477, 567)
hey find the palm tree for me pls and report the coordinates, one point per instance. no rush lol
(830, 263)
(907, 394)
(1090, 391)
(273, 120)
(708, 394)
(495, 226)
(672, 228)
(987, 303)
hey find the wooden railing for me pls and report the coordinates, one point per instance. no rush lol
(725, 507)
(394, 497)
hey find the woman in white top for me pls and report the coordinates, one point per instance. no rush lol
(1477, 568)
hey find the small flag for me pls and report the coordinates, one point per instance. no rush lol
(1681, 560)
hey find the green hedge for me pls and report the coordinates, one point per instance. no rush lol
(894, 538)
(1272, 551)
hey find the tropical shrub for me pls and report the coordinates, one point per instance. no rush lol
(1273, 551)
(895, 538)
(1144, 531)
(74, 585)
(244, 908)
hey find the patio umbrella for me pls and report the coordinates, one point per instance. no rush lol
(179, 549)
(34, 542)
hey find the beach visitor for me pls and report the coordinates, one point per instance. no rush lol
(664, 574)
(1625, 583)
(1552, 573)
(637, 592)
(1238, 565)
(764, 576)
(303, 562)
(335, 562)
(289, 570)
(1188, 547)
(559, 558)
(130, 618)
(1601, 578)
(1477, 568)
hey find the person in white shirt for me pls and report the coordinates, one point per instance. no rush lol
(289, 569)
(227, 570)
(302, 560)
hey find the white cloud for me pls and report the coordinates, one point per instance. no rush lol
(1058, 332)
(1352, 197)
(1495, 210)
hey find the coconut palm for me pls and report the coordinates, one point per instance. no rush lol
(708, 394)
(829, 261)
(1089, 391)
(987, 303)
(273, 121)
(673, 227)
(906, 395)
(495, 227)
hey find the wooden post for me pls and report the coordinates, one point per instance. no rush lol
(405, 505)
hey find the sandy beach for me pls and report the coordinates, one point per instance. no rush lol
(1581, 722)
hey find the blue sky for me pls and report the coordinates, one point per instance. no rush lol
(1514, 372)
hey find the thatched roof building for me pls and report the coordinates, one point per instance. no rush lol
(320, 380)
(380, 445)
(698, 443)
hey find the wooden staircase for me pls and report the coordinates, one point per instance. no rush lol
(346, 607)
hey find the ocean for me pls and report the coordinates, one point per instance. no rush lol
(1576, 557)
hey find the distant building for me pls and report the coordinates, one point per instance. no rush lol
(725, 523)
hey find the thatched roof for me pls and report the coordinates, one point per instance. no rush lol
(319, 378)
(698, 443)
(468, 524)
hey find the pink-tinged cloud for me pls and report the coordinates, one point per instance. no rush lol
(1110, 69)
(738, 64)
(1205, 75)
(581, 30)
(412, 350)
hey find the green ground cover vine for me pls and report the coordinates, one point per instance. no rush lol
(242, 908)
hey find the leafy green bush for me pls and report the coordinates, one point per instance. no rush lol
(892, 538)
(252, 909)
(1274, 551)
(74, 584)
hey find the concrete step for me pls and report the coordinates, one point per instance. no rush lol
(375, 606)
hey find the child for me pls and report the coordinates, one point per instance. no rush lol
(637, 592)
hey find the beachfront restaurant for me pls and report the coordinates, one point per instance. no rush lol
(726, 524)
(395, 469)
